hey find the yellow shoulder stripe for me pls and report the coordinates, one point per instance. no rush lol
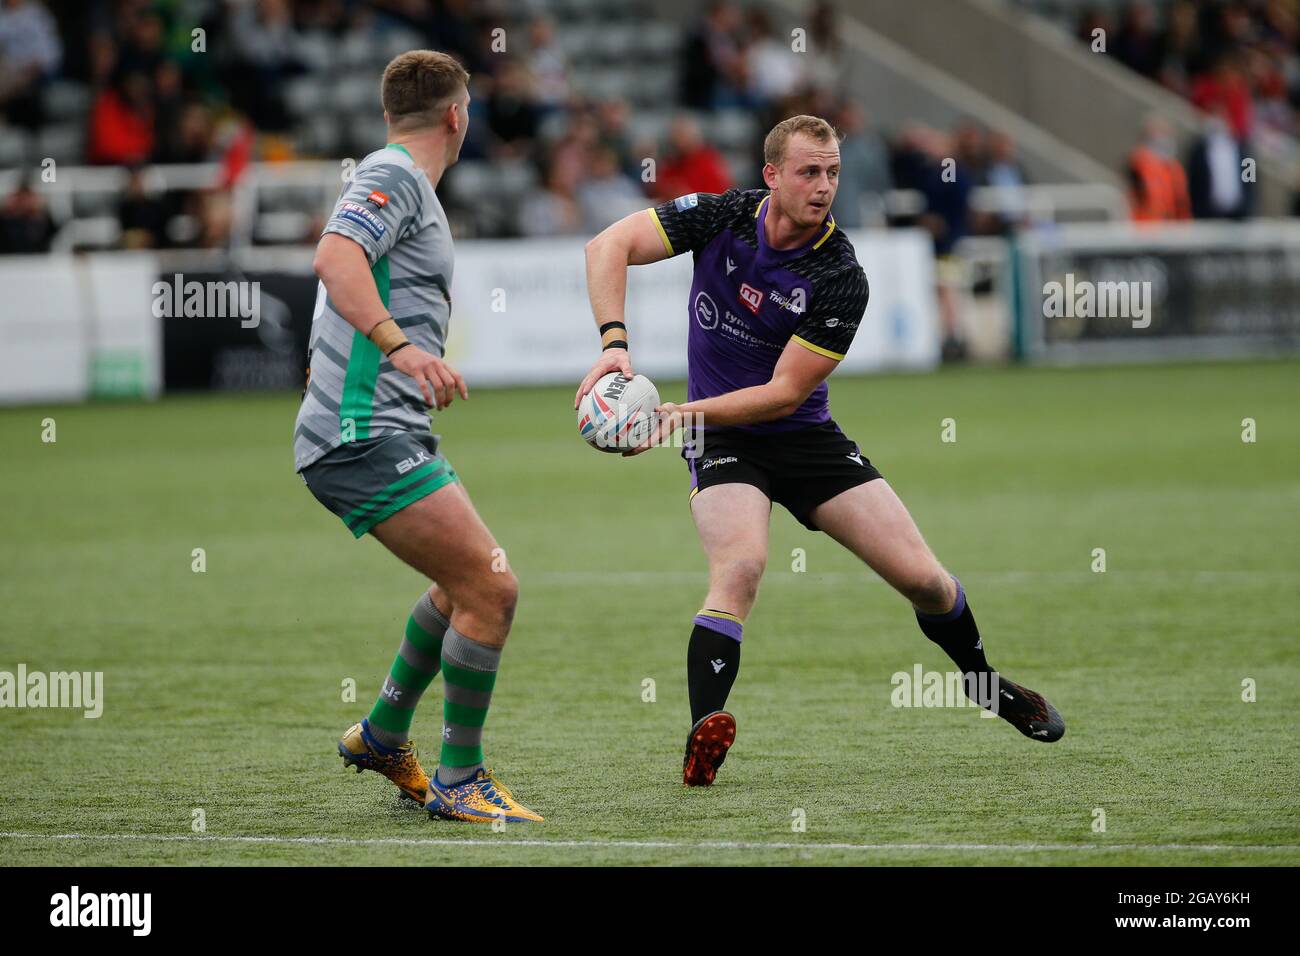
(817, 348)
(660, 226)
(830, 227)
(759, 207)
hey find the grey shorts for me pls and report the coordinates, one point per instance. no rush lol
(365, 482)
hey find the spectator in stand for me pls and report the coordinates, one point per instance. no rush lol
(189, 139)
(553, 210)
(1214, 172)
(971, 149)
(1180, 47)
(141, 46)
(548, 65)
(946, 187)
(1003, 168)
(1004, 171)
(512, 112)
(1139, 44)
(265, 53)
(1272, 109)
(142, 215)
(1226, 87)
(827, 62)
(450, 25)
(712, 59)
(25, 224)
(1157, 181)
(612, 117)
(692, 165)
(30, 53)
(122, 122)
(864, 167)
(774, 69)
(215, 218)
(606, 194)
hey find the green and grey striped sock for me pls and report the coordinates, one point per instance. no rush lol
(469, 671)
(414, 668)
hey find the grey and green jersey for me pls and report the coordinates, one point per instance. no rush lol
(389, 208)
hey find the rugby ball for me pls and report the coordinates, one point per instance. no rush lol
(618, 413)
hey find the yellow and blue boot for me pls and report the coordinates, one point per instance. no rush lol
(401, 766)
(480, 799)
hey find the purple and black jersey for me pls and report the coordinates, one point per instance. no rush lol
(748, 300)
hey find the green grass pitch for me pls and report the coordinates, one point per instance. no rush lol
(223, 689)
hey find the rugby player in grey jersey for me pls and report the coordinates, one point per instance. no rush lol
(363, 441)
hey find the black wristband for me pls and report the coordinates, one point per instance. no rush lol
(398, 348)
(612, 325)
(620, 344)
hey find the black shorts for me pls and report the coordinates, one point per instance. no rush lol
(798, 469)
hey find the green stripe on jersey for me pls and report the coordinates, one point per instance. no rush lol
(363, 367)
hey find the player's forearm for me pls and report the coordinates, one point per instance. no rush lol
(345, 271)
(607, 266)
(746, 406)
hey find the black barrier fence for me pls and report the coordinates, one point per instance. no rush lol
(235, 330)
(1191, 291)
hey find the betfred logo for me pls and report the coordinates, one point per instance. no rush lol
(751, 297)
(378, 198)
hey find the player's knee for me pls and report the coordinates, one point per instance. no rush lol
(930, 590)
(501, 596)
(742, 575)
(489, 601)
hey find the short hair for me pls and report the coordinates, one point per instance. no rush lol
(775, 143)
(416, 83)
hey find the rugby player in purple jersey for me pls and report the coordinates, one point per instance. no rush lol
(776, 299)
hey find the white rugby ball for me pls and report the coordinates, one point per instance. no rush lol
(618, 413)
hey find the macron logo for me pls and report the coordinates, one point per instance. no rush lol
(731, 266)
(718, 665)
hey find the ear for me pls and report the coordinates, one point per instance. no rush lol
(769, 175)
(387, 121)
(453, 116)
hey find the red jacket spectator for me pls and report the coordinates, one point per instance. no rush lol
(1225, 87)
(119, 135)
(693, 166)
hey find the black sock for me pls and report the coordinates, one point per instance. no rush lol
(957, 634)
(712, 659)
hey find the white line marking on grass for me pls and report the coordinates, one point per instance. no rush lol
(1146, 576)
(631, 844)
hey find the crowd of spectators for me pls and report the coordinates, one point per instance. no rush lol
(1238, 62)
(1236, 58)
(158, 95)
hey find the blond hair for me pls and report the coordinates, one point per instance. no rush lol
(416, 83)
(775, 143)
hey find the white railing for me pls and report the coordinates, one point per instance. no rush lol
(322, 179)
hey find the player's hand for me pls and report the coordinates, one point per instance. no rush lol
(670, 419)
(611, 360)
(438, 381)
